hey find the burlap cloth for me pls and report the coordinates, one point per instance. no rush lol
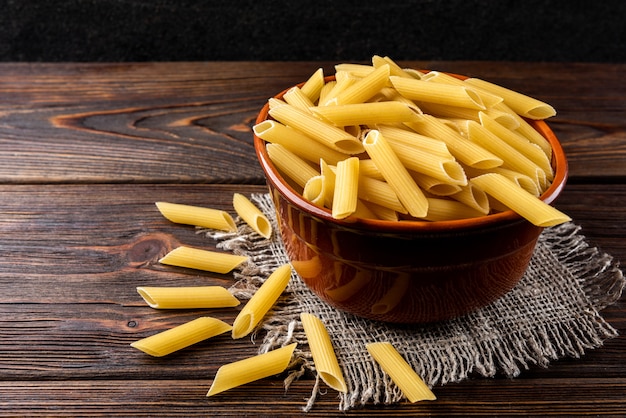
(552, 313)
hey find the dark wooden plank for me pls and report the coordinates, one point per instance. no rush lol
(190, 122)
(165, 397)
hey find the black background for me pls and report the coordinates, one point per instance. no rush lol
(185, 30)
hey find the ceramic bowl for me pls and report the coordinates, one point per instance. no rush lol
(406, 272)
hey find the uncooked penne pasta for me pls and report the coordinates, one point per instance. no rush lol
(409, 382)
(252, 215)
(519, 200)
(461, 148)
(195, 258)
(198, 216)
(181, 336)
(251, 369)
(413, 139)
(196, 297)
(346, 188)
(520, 103)
(394, 68)
(424, 91)
(410, 195)
(295, 97)
(331, 136)
(296, 142)
(366, 113)
(261, 302)
(323, 353)
(313, 86)
(289, 163)
(380, 193)
(363, 89)
(447, 210)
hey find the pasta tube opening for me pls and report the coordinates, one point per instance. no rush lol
(252, 215)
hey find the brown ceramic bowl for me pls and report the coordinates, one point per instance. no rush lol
(406, 272)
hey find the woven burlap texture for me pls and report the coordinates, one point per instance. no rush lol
(553, 312)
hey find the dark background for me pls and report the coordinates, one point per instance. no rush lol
(185, 30)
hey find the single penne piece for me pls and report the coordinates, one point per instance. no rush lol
(331, 136)
(409, 193)
(252, 215)
(519, 142)
(363, 89)
(369, 169)
(392, 363)
(323, 353)
(513, 159)
(366, 113)
(420, 161)
(413, 139)
(289, 163)
(314, 190)
(519, 200)
(464, 150)
(379, 192)
(520, 103)
(383, 213)
(434, 186)
(505, 119)
(488, 99)
(198, 216)
(196, 297)
(251, 369)
(313, 86)
(274, 102)
(295, 97)
(473, 197)
(295, 141)
(261, 302)
(516, 177)
(447, 94)
(448, 210)
(181, 336)
(328, 183)
(346, 188)
(195, 258)
(358, 70)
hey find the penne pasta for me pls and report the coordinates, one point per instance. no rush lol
(392, 363)
(198, 297)
(252, 215)
(461, 148)
(380, 193)
(295, 141)
(394, 69)
(363, 89)
(331, 136)
(346, 188)
(519, 200)
(313, 86)
(395, 174)
(251, 369)
(435, 186)
(295, 97)
(181, 336)
(447, 210)
(261, 302)
(198, 216)
(447, 94)
(289, 163)
(413, 139)
(314, 190)
(195, 258)
(323, 353)
(520, 103)
(366, 113)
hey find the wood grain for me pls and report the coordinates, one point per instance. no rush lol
(86, 150)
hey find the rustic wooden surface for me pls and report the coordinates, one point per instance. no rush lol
(86, 150)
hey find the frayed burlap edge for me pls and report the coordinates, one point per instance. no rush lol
(551, 314)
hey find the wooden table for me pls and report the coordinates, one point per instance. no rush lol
(86, 150)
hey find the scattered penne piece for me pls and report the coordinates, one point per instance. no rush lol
(198, 259)
(181, 336)
(323, 353)
(251, 369)
(197, 297)
(412, 386)
(252, 215)
(261, 302)
(198, 216)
